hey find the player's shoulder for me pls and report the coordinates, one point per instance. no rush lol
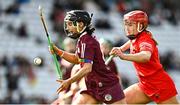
(145, 36)
(88, 38)
(146, 39)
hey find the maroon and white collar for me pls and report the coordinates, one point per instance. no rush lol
(84, 33)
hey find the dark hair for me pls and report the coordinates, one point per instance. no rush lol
(90, 29)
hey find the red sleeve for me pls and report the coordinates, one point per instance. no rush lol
(146, 44)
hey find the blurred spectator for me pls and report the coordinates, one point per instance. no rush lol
(121, 6)
(15, 69)
(103, 24)
(57, 18)
(4, 61)
(170, 61)
(1, 13)
(103, 5)
(166, 60)
(118, 41)
(13, 9)
(23, 1)
(156, 9)
(169, 11)
(155, 18)
(22, 31)
(25, 68)
(106, 47)
(10, 28)
(38, 40)
(75, 4)
(12, 78)
(177, 62)
(147, 6)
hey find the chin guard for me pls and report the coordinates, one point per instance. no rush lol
(131, 37)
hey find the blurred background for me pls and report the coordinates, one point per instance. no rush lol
(22, 38)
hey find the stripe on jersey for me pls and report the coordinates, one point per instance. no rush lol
(144, 46)
(83, 46)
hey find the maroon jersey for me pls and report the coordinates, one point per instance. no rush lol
(112, 66)
(100, 78)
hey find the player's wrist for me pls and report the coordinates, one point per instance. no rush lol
(70, 80)
(60, 52)
(120, 48)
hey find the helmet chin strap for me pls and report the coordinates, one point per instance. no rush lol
(78, 28)
(77, 35)
(131, 37)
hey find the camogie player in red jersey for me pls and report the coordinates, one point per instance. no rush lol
(154, 83)
(102, 84)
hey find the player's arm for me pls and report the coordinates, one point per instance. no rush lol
(81, 73)
(125, 46)
(74, 86)
(65, 55)
(141, 57)
(87, 67)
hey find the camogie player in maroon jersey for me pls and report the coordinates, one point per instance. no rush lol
(154, 83)
(102, 84)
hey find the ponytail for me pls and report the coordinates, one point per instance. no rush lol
(149, 33)
(90, 29)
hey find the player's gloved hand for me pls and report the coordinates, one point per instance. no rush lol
(51, 48)
(55, 50)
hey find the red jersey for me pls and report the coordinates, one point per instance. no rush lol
(154, 81)
(144, 42)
